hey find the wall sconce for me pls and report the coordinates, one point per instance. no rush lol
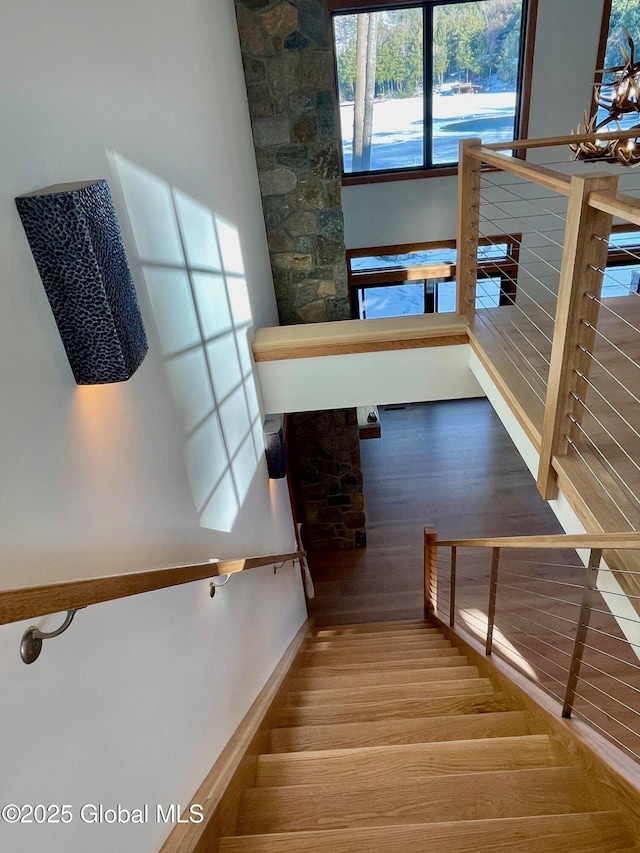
(75, 239)
(619, 98)
(274, 447)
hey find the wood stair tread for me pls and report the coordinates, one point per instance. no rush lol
(405, 761)
(394, 709)
(590, 832)
(474, 796)
(389, 625)
(325, 634)
(388, 732)
(331, 696)
(394, 642)
(325, 657)
(342, 667)
(314, 681)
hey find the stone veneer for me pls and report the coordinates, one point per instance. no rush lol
(287, 51)
(327, 449)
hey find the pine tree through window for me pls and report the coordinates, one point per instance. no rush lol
(414, 80)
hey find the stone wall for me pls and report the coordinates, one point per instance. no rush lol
(287, 53)
(327, 449)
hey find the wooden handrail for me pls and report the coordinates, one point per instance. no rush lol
(615, 541)
(31, 601)
(552, 180)
(567, 139)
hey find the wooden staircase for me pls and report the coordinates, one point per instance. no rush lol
(389, 740)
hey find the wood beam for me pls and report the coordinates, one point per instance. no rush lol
(469, 178)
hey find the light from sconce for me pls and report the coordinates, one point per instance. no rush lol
(75, 239)
(274, 447)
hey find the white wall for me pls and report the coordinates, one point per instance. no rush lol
(362, 379)
(134, 703)
(565, 60)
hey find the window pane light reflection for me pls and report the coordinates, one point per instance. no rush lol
(201, 305)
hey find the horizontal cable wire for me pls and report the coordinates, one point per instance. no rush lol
(504, 572)
(522, 248)
(611, 343)
(619, 414)
(608, 695)
(613, 636)
(606, 462)
(599, 481)
(606, 370)
(539, 594)
(613, 657)
(603, 730)
(544, 628)
(609, 675)
(607, 305)
(608, 432)
(604, 459)
(572, 622)
(524, 357)
(531, 201)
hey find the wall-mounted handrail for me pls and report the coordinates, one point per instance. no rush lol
(33, 601)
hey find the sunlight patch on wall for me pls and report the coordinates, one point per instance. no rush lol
(194, 273)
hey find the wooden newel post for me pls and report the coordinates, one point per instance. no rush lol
(468, 226)
(430, 572)
(584, 256)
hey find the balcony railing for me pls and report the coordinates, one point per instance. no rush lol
(566, 626)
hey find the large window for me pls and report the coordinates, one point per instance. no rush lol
(619, 15)
(396, 281)
(414, 80)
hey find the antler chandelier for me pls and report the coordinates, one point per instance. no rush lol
(619, 98)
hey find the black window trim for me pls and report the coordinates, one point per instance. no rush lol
(527, 41)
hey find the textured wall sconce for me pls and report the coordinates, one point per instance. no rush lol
(274, 447)
(75, 238)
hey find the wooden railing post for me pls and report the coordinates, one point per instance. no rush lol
(584, 257)
(430, 572)
(493, 592)
(590, 590)
(468, 227)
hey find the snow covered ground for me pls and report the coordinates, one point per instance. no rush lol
(398, 127)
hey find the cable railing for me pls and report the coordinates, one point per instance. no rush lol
(565, 344)
(563, 622)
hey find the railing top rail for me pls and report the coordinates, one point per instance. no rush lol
(616, 541)
(33, 601)
(567, 139)
(552, 180)
(625, 206)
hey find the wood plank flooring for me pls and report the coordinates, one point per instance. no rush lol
(446, 465)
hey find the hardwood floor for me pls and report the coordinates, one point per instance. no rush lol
(446, 465)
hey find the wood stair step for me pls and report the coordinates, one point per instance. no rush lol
(456, 659)
(383, 692)
(374, 643)
(388, 732)
(473, 796)
(405, 761)
(354, 680)
(329, 634)
(590, 832)
(354, 628)
(362, 612)
(326, 657)
(394, 709)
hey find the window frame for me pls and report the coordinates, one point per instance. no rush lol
(523, 105)
(505, 268)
